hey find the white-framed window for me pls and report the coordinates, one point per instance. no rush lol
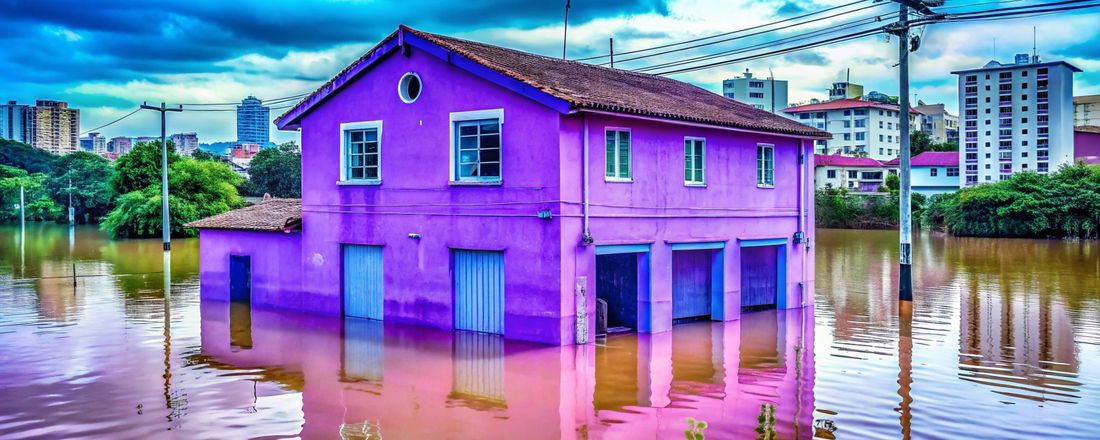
(695, 161)
(409, 87)
(765, 166)
(361, 152)
(830, 174)
(476, 146)
(617, 155)
(933, 172)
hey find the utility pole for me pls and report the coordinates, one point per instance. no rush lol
(71, 212)
(22, 211)
(611, 51)
(905, 45)
(565, 34)
(165, 228)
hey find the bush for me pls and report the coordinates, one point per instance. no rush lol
(1062, 204)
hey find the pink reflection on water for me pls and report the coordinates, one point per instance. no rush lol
(361, 378)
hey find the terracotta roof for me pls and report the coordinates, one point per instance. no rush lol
(589, 87)
(843, 104)
(931, 159)
(1087, 129)
(270, 215)
(836, 160)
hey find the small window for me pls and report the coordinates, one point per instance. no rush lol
(409, 87)
(617, 155)
(695, 161)
(477, 146)
(765, 166)
(933, 172)
(361, 152)
(831, 174)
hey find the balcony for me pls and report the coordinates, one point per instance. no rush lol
(1042, 76)
(1006, 115)
(1005, 80)
(1004, 136)
(1005, 125)
(970, 94)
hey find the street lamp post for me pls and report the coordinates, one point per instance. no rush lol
(165, 227)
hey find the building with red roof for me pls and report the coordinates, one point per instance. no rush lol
(933, 172)
(858, 127)
(857, 174)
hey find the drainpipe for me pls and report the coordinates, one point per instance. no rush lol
(586, 236)
(802, 182)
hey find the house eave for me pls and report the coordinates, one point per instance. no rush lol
(706, 125)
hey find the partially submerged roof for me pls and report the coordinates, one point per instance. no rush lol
(836, 160)
(844, 104)
(567, 86)
(270, 215)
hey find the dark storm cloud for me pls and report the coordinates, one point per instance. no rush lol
(809, 57)
(86, 40)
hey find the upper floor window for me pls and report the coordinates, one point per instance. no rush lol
(830, 174)
(765, 166)
(361, 152)
(617, 155)
(933, 172)
(695, 152)
(953, 171)
(757, 95)
(477, 146)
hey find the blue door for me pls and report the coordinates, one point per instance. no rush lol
(759, 277)
(364, 350)
(363, 281)
(691, 283)
(479, 291)
(240, 278)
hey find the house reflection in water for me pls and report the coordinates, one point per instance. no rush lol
(363, 379)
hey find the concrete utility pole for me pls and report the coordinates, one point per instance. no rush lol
(165, 227)
(565, 32)
(901, 29)
(22, 211)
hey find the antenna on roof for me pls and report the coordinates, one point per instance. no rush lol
(565, 33)
(1034, 51)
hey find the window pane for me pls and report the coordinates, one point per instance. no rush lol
(467, 143)
(356, 173)
(490, 170)
(356, 136)
(490, 126)
(467, 170)
(468, 156)
(372, 172)
(467, 129)
(490, 155)
(624, 161)
(699, 175)
(609, 154)
(490, 141)
(372, 135)
(372, 160)
(372, 147)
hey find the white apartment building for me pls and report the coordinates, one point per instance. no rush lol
(1015, 117)
(54, 127)
(13, 122)
(763, 93)
(1086, 110)
(859, 128)
(94, 143)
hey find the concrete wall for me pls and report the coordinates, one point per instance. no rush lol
(923, 182)
(276, 266)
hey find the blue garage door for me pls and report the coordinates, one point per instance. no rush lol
(759, 277)
(479, 291)
(363, 281)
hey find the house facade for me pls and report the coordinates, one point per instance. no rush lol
(932, 172)
(459, 185)
(857, 174)
(859, 128)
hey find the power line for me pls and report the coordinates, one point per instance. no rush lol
(111, 123)
(839, 39)
(272, 100)
(663, 46)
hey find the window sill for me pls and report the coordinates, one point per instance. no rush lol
(695, 185)
(358, 182)
(475, 183)
(617, 180)
(763, 186)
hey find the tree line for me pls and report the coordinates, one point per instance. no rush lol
(1063, 204)
(124, 197)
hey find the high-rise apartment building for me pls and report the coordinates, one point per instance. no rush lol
(120, 145)
(940, 125)
(13, 121)
(94, 143)
(859, 128)
(1015, 117)
(1086, 110)
(54, 127)
(763, 93)
(253, 122)
(186, 143)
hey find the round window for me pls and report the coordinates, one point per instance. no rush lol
(409, 87)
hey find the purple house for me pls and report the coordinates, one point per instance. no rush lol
(460, 185)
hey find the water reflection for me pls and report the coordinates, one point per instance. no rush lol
(387, 378)
(1001, 342)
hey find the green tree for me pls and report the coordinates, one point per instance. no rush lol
(197, 189)
(206, 155)
(90, 177)
(140, 167)
(276, 171)
(39, 206)
(919, 142)
(23, 156)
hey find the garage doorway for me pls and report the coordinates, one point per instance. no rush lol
(621, 283)
(697, 286)
(763, 274)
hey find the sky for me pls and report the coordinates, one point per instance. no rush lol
(106, 57)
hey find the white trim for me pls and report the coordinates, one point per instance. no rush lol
(704, 164)
(616, 178)
(401, 93)
(473, 115)
(702, 125)
(772, 148)
(360, 125)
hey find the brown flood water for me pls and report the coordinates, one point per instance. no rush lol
(1003, 342)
